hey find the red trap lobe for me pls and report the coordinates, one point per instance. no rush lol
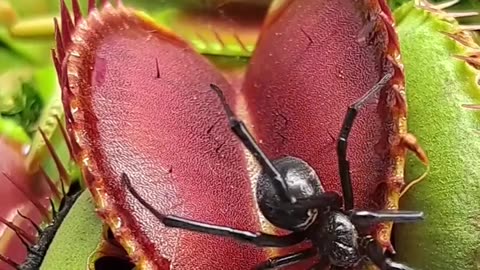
(21, 196)
(138, 102)
(313, 60)
(311, 63)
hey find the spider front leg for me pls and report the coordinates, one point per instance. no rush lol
(343, 163)
(239, 128)
(258, 239)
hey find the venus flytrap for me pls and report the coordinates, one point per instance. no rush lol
(442, 77)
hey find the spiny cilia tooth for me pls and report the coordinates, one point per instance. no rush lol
(472, 107)
(58, 163)
(440, 9)
(462, 14)
(9, 261)
(35, 202)
(463, 37)
(34, 225)
(473, 27)
(443, 5)
(471, 59)
(21, 233)
(51, 185)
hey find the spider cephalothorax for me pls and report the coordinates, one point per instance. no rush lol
(290, 195)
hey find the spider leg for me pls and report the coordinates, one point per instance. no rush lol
(375, 253)
(239, 128)
(258, 239)
(343, 163)
(288, 259)
(397, 216)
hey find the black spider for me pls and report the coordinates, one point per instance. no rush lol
(291, 196)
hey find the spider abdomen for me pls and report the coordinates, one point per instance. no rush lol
(303, 183)
(338, 239)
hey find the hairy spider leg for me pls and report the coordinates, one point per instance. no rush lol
(239, 128)
(289, 259)
(258, 239)
(343, 163)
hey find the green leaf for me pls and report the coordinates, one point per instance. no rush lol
(34, 52)
(10, 60)
(76, 239)
(13, 131)
(19, 99)
(437, 86)
(45, 80)
(396, 3)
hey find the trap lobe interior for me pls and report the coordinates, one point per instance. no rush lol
(141, 104)
(313, 60)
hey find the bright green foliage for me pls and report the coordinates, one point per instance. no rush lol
(27, 81)
(10, 129)
(20, 104)
(396, 3)
(31, 52)
(26, 94)
(26, 109)
(32, 8)
(77, 238)
(437, 86)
